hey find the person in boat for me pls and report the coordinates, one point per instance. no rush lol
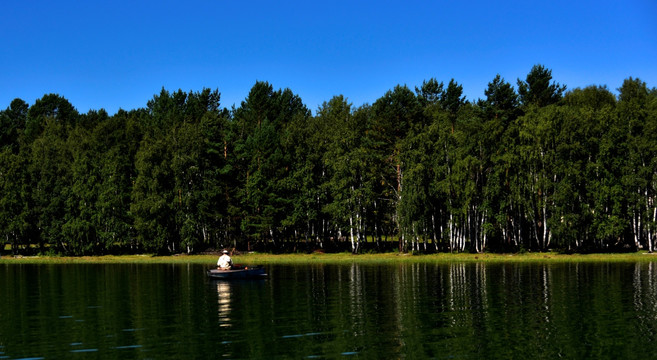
(225, 262)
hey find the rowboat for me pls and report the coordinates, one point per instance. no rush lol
(246, 272)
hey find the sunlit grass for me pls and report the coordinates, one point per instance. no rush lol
(339, 258)
(442, 258)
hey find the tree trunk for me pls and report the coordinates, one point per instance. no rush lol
(351, 233)
(652, 232)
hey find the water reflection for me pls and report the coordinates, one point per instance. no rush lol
(454, 310)
(224, 303)
(645, 297)
(444, 310)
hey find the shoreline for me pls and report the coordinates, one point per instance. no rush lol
(337, 258)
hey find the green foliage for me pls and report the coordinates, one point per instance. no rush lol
(538, 90)
(12, 123)
(423, 171)
(50, 108)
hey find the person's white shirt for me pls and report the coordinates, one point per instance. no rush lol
(225, 262)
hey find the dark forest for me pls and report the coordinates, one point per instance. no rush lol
(533, 166)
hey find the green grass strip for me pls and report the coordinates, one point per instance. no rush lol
(340, 258)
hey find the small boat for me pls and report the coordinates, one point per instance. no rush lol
(246, 272)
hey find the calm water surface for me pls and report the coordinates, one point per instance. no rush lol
(456, 311)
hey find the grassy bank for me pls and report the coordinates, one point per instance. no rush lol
(341, 258)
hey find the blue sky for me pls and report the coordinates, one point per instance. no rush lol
(118, 54)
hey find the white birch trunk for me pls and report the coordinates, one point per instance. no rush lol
(651, 234)
(546, 241)
(441, 233)
(433, 226)
(483, 233)
(503, 234)
(357, 231)
(468, 225)
(351, 232)
(634, 229)
(451, 233)
(639, 231)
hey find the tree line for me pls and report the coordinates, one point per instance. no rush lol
(531, 168)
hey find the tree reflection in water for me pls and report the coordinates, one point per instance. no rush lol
(457, 310)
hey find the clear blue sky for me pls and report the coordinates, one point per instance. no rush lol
(118, 54)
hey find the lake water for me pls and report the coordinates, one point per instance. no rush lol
(415, 311)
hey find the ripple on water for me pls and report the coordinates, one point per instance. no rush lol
(127, 347)
(300, 335)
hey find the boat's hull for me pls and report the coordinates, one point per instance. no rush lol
(244, 273)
